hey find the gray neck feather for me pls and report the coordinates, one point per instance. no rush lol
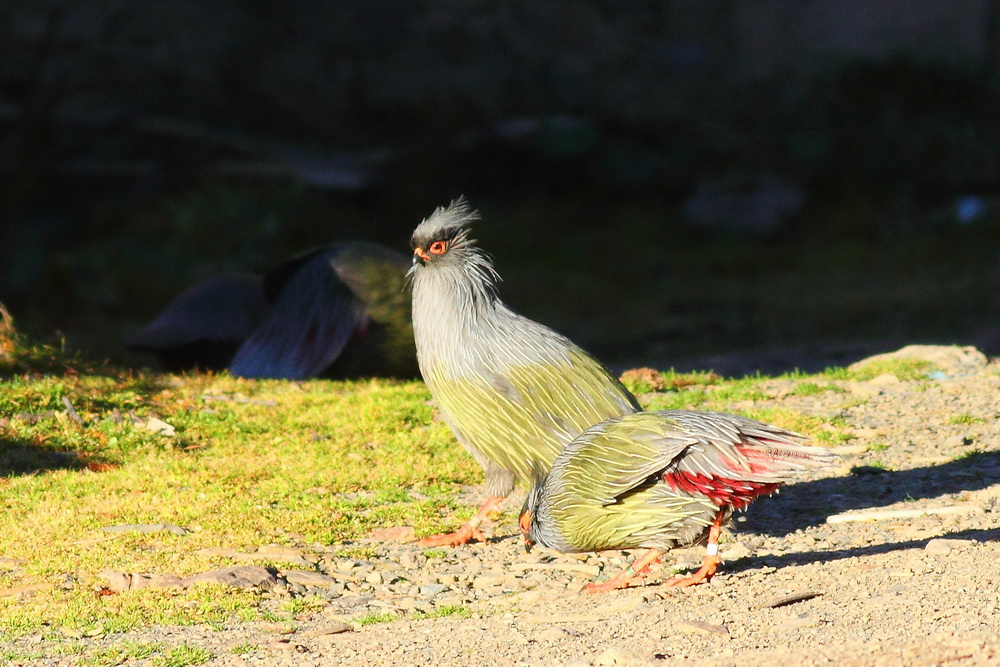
(462, 327)
(451, 305)
(543, 529)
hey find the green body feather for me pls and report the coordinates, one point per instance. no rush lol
(607, 488)
(520, 417)
(609, 492)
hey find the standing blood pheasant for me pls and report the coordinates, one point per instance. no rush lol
(513, 391)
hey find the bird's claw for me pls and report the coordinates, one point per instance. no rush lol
(705, 573)
(463, 535)
(609, 585)
(623, 579)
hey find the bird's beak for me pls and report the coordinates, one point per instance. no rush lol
(420, 255)
(524, 521)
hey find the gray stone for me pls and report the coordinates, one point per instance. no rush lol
(449, 601)
(617, 657)
(309, 578)
(943, 546)
(488, 580)
(734, 551)
(405, 604)
(951, 360)
(702, 628)
(159, 426)
(325, 631)
(242, 576)
(430, 590)
(277, 554)
(957, 441)
(553, 634)
(130, 581)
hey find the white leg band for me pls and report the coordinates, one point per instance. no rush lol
(712, 550)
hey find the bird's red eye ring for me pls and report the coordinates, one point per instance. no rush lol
(437, 247)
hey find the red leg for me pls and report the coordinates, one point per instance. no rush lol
(468, 531)
(622, 580)
(711, 561)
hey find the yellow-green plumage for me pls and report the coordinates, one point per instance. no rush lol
(520, 419)
(608, 493)
(659, 479)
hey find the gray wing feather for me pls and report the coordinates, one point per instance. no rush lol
(312, 318)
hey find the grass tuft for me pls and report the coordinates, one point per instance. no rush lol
(903, 369)
(372, 619)
(459, 611)
(965, 419)
(183, 655)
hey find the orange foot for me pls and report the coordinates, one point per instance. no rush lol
(463, 535)
(708, 568)
(624, 579)
(612, 584)
(469, 531)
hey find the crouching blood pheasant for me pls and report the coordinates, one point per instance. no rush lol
(513, 391)
(659, 480)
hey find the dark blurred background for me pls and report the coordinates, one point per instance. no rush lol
(729, 184)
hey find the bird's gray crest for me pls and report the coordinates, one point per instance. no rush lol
(464, 260)
(449, 222)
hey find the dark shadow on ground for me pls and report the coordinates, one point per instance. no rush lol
(757, 562)
(19, 457)
(809, 503)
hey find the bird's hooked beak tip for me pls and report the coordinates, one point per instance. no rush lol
(420, 255)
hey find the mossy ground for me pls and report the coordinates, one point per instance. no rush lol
(249, 463)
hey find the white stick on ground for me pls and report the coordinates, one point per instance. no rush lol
(902, 514)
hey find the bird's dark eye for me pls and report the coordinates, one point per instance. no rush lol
(437, 247)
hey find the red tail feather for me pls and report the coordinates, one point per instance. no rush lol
(736, 493)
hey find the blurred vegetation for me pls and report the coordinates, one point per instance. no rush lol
(168, 152)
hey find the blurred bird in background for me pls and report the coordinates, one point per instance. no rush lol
(660, 480)
(337, 311)
(513, 391)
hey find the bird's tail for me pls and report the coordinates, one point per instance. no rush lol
(780, 458)
(755, 460)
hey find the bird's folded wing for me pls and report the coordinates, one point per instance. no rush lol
(734, 447)
(312, 317)
(620, 455)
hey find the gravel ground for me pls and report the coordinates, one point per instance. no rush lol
(918, 587)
